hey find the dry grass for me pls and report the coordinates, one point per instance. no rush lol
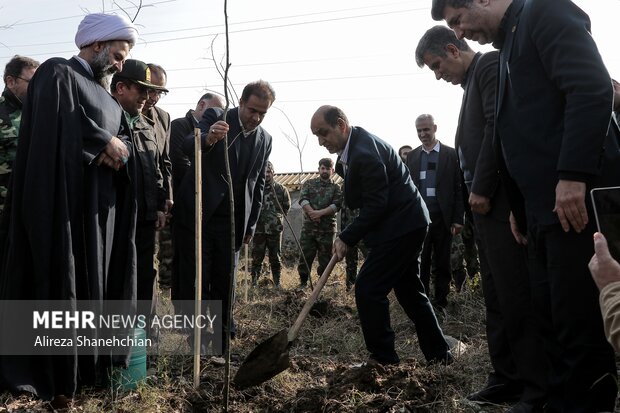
(322, 377)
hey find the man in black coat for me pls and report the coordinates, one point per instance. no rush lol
(249, 149)
(435, 171)
(72, 203)
(392, 221)
(553, 111)
(515, 344)
(180, 128)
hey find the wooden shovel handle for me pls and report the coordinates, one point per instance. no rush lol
(198, 244)
(292, 332)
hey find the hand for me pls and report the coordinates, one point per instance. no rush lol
(217, 132)
(603, 267)
(339, 249)
(104, 159)
(160, 222)
(168, 208)
(314, 215)
(519, 237)
(116, 154)
(479, 204)
(247, 239)
(570, 205)
(455, 229)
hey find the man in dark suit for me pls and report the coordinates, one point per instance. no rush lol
(392, 221)
(553, 110)
(180, 128)
(249, 149)
(515, 345)
(435, 171)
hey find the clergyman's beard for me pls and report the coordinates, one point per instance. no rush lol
(102, 69)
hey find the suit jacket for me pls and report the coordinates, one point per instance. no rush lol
(214, 174)
(179, 129)
(474, 135)
(448, 188)
(554, 103)
(377, 182)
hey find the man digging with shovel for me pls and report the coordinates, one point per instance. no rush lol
(392, 222)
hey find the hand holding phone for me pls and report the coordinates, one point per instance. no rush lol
(606, 204)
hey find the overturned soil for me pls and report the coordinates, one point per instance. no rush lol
(327, 371)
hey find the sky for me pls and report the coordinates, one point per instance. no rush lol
(355, 54)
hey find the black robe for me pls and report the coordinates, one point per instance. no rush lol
(68, 233)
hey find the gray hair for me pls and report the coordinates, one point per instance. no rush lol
(425, 116)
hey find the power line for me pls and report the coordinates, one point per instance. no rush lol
(279, 26)
(201, 27)
(282, 62)
(82, 15)
(252, 29)
(319, 79)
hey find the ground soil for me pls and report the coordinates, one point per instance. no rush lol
(326, 372)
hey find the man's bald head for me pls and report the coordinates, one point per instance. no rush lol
(331, 126)
(206, 101)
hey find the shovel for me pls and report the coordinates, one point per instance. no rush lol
(271, 356)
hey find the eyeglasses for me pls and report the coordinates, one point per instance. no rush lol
(158, 93)
(25, 80)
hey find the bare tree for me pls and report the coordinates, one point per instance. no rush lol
(231, 197)
(294, 140)
(138, 7)
(219, 66)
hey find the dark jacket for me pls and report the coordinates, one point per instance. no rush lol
(474, 135)
(554, 104)
(378, 183)
(214, 173)
(448, 188)
(179, 129)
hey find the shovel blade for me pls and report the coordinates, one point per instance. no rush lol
(267, 360)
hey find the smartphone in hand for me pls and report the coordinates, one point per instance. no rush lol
(606, 204)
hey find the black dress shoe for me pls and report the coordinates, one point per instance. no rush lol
(496, 394)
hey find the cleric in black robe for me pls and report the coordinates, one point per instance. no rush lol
(71, 218)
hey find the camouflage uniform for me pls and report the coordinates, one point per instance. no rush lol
(464, 255)
(346, 217)
(10, 118)
(268, 233)
(317, 237)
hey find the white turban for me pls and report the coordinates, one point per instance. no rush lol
(100, 27)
